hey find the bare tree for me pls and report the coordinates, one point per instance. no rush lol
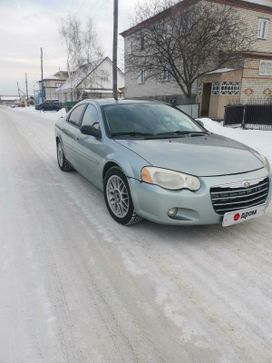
(81, 42)
(187, 42)
(150, 8)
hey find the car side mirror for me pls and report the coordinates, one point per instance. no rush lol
(92, 131)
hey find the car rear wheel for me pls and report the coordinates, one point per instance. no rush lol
(64, 164)
(118, 199)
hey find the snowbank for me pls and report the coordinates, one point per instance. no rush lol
(51, 115)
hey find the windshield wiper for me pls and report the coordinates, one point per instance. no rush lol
(183, 133)
(162, 135)
(131, 134)
(196, 133)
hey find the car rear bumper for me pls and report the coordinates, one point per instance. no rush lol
(194, 208)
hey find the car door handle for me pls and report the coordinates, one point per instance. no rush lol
(76, 138)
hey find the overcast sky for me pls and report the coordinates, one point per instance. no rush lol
(27, 25)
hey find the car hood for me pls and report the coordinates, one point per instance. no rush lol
(209, 155)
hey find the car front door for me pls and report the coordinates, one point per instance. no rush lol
(91, 150)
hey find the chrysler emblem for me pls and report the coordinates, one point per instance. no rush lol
(246, 184)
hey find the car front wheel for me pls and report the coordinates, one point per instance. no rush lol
(118, 199)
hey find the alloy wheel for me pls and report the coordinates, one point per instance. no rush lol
(60, 154)
(117, 196)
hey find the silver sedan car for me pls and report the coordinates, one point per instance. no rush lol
(153, 161)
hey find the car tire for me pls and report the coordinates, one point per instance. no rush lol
(118, 198)
(63, 163)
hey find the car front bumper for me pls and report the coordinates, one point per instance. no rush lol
(194, 208)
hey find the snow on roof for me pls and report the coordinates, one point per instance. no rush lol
(261, 2)
(80, 74)
(223, 70)
(98, 91)
(60, 72)
(8, 98)
(53, 78)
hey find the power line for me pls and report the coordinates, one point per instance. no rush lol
(26, 85)
(80, 6)
(97, 6)
(42, 75)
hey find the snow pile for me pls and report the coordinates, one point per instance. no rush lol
(52, 115)
(260, 2)
(258, 140)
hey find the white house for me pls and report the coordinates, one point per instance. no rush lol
(90, 81)
(249, 81)
(48, 86)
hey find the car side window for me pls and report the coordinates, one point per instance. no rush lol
(91, 117)
(76, 114)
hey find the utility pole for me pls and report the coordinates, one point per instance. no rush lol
(114, 52)
(42, 74)
(26, 86)
(18, 89)
(34, 93)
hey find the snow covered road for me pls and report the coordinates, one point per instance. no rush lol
(77, 287)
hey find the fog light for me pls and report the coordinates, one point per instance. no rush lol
(172, 212)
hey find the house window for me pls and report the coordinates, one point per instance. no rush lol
(142, 42)
(129, 47)
(215, 88)
(265, 68)
(225, 89)
(263, 28)
(199, 89)
(141, 78)
(230, 88)
(168, 31)
(165, 76)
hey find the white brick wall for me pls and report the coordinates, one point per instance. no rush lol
(157, 88)
(252, 19)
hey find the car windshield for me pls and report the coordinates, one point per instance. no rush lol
(144, 120)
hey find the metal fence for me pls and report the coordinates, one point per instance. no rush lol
(69, 104)
(249, 116)
(191, 110)
(186, 105)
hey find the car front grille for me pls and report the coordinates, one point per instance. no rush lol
(226, 199)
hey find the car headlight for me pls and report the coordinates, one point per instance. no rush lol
(266, 163)
(169, 179)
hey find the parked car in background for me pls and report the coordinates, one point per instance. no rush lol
(153, 161)
(49, 106)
